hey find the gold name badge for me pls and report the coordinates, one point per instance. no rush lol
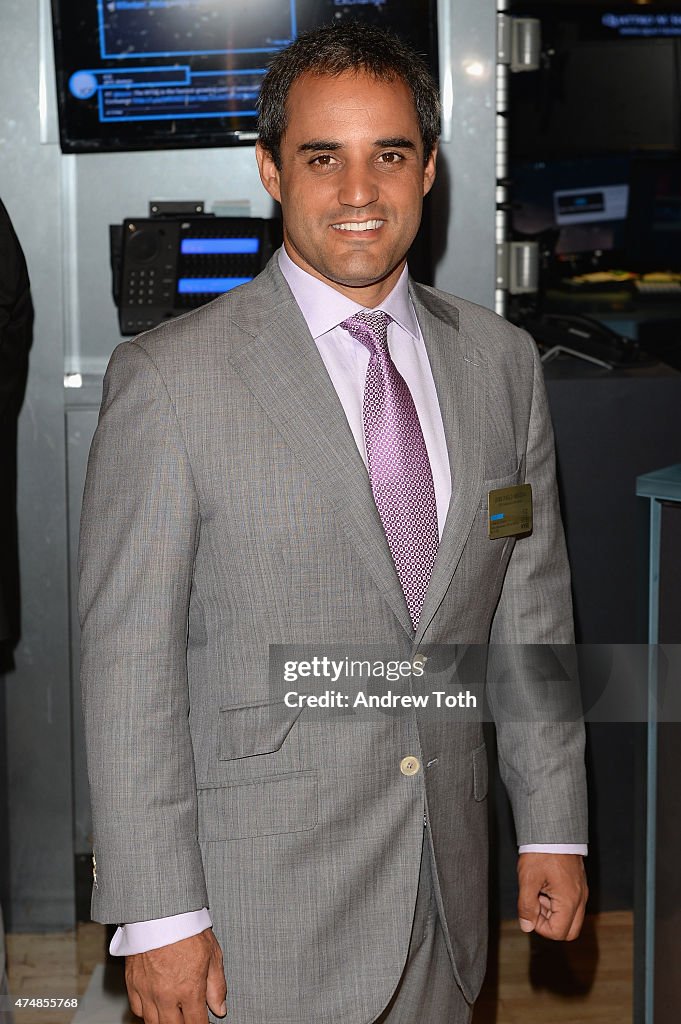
(509, 511)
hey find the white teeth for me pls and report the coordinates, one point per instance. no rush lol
(366, 225)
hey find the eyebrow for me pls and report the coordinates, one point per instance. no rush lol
(395, 143)
(315, 145)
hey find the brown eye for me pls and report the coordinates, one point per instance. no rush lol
(391, 158)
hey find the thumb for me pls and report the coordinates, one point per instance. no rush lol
(529, 910)
(216, 987)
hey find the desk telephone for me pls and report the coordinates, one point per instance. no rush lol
(165, 265)
(585, 338)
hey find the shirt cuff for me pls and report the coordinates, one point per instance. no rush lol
(142, 936)
(579, 848)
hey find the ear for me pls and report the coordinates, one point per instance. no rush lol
(269, 173)
(429, 171)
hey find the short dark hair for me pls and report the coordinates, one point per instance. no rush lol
(333, 50)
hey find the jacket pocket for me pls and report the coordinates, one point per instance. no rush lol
(263, 807)
(249, 729)
(480, 772)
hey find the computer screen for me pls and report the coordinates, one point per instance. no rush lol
(586, 202)
(625, 207)
(609, 83)
(150, 74)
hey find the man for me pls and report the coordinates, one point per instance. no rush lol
(16, 333)
(16, 329)
(306, 460)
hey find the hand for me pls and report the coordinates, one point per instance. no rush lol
(552, 894)
(172, 984)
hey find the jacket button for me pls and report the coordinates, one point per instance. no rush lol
(419, 660)
(410, 765)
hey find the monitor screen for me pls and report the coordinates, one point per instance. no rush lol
(609, 83)
(150, 74)
(591, 204)
(585, 201)
(626, 206)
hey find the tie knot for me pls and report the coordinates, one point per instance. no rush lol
(369, 326)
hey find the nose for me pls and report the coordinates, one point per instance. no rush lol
(358, 186)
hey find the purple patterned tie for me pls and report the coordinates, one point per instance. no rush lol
(399, 468)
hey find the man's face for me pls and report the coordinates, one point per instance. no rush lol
(352, 181)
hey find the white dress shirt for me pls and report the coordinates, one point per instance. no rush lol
(346, 362)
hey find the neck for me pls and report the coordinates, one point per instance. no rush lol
(370, 294)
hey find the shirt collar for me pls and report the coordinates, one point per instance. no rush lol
(325, 308)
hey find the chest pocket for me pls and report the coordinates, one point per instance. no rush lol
(497, 483)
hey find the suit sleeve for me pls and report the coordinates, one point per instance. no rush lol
(532, 679)
(139, 531)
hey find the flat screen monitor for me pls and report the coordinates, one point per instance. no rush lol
(586, 202)
(627, 208)
(609, 83)
(168, 74)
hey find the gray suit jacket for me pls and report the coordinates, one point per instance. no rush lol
(226, 509)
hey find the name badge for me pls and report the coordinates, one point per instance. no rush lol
(509, 511)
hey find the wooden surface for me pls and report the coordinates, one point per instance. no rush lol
(55, 965)
(534, 981)
(529, 981)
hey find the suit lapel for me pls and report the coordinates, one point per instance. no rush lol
(281, 366)
(458, 364)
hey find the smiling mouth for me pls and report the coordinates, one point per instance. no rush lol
(353, 225)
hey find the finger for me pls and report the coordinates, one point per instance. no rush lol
(545, 902)
(135, 1003)
(556, 922)
(133, 997)
(189, 1012)
(564, 919)
(192, 1011)
(577, 922)
(529, 908)
(172, 1015)
(551, 928)
(149, 1012)
(216, 986)
(562, 922)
